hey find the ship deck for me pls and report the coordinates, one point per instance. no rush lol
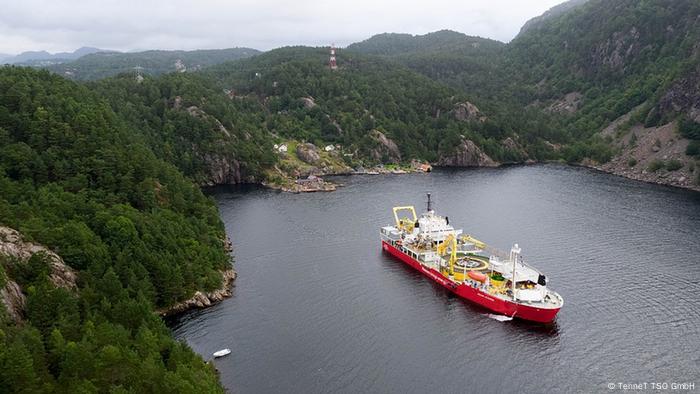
(429, 258)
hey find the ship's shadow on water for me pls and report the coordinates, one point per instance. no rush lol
(318, 306)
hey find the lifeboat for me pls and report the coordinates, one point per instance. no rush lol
(477, 276)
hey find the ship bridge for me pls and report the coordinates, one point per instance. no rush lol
(435, 227)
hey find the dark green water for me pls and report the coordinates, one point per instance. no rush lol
(319, 308)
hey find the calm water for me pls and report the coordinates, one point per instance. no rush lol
(319, 308)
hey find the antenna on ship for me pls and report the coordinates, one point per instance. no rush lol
(430, 203)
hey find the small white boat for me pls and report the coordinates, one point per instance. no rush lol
(221, 353)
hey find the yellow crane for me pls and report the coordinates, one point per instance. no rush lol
(476, 242)
(449, 242)
(406, 223)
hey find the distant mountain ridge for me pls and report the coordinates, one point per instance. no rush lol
(153, 62)
(37, 56)
(402, 44)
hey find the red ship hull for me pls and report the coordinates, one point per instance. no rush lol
(504, 307)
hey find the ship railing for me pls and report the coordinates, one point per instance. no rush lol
(497, 253)
(505, 257)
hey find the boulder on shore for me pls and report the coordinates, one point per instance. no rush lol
(202, 299)
(308, 153)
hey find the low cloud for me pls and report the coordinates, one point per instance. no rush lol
(265, 24)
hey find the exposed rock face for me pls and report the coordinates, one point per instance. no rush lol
(683, 97)
(468, 112)
(177, 102)
(228, 245)
(13, 299)
(386, 151)
(467, 154)
(641, 146)
(312, 183)
(515, 148)
(308, 153)
(508, 143)
(419, 166)
(201, 299)
(568, 104)
(222, 170)
(554, 147)
(12, 245)
(338, 129)
(199, 113)
(308, 102)
(616, 51)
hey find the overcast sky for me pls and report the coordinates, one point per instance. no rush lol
(63, 25)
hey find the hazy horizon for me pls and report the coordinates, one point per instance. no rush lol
(128, 26)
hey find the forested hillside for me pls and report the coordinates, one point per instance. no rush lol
(578, 68)
(463, 62)
(393, 44)
(219, 125)
(613, 55)
(106, 173)
(625, 72)
(139, 235)
(545, 96)
(364, 95)
(105, 64)
(188, 120)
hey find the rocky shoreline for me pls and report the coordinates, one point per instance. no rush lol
(315, 183)
(318, 184)
(202, 299)
(651, 178)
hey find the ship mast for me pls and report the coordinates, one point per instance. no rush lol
(430, 203)
(514, 253)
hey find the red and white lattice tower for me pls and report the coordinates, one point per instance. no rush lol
(331, 61)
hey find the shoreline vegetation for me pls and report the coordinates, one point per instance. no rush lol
(203, 299)
(108, 173)
(318, 184)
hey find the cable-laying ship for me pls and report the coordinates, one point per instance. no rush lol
(468, 267)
